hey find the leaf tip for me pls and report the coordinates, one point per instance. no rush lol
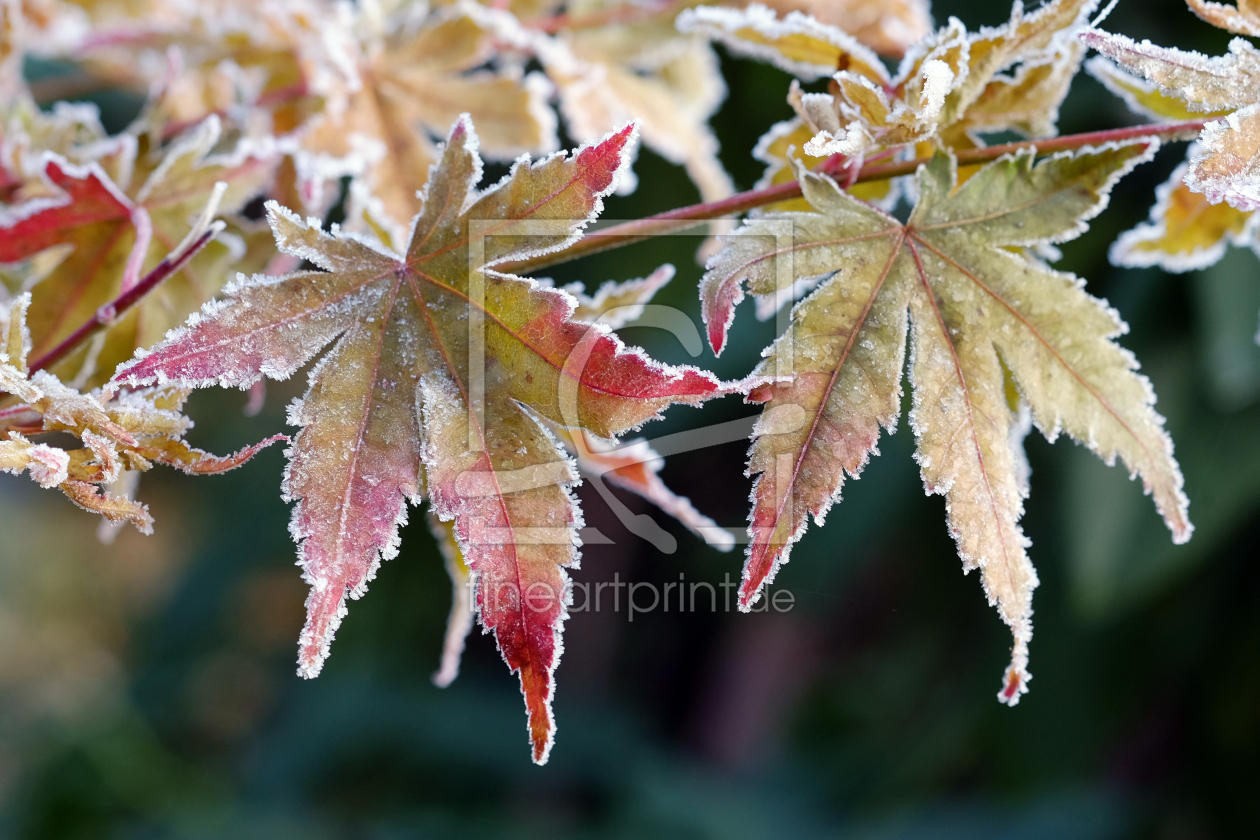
(1014, 685)
(325, 608)
(604, 160)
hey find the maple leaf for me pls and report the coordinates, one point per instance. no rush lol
(122, 433)
(996, 339)
(642, 70)
(1225, 162)
(261, 65)
(368, 89)
(798, 43)
(950, 84)
(1186, 231)
(71, 130)
(889, 28)
(460, 622)
(118, 232)
(409, 80)
(632, 466)
(401, 407)
(11, 53)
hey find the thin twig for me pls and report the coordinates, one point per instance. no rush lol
(112, 311)
(673, 221)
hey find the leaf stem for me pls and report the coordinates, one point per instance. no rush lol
(110, 312)
(673, 221)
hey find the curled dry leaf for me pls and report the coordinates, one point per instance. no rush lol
(953, 86)
(996, 340)
(122, 433)
(439, 379)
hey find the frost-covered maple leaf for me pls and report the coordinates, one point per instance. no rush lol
(1187, 229)
(367, 87)
(950, 84)
(1225, 165)
(631, 465)
(408, 76)
(1241, 19)
(995, 338)
(262, 66)
(641, 69)
(118, 227)
(12, 26)
(890, 27)
(403, 406)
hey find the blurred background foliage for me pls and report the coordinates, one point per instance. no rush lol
(147, 687)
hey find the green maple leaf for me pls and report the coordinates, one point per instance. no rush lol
(996, 338)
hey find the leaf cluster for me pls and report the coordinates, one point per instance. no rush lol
(440, 373)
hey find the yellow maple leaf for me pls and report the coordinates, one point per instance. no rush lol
(1186, 230)
(408, 81)
(642, 70)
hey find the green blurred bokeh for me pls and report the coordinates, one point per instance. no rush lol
(147, 688)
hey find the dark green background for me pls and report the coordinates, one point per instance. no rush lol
(147, 689)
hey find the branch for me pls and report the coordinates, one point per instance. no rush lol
(628, 233)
